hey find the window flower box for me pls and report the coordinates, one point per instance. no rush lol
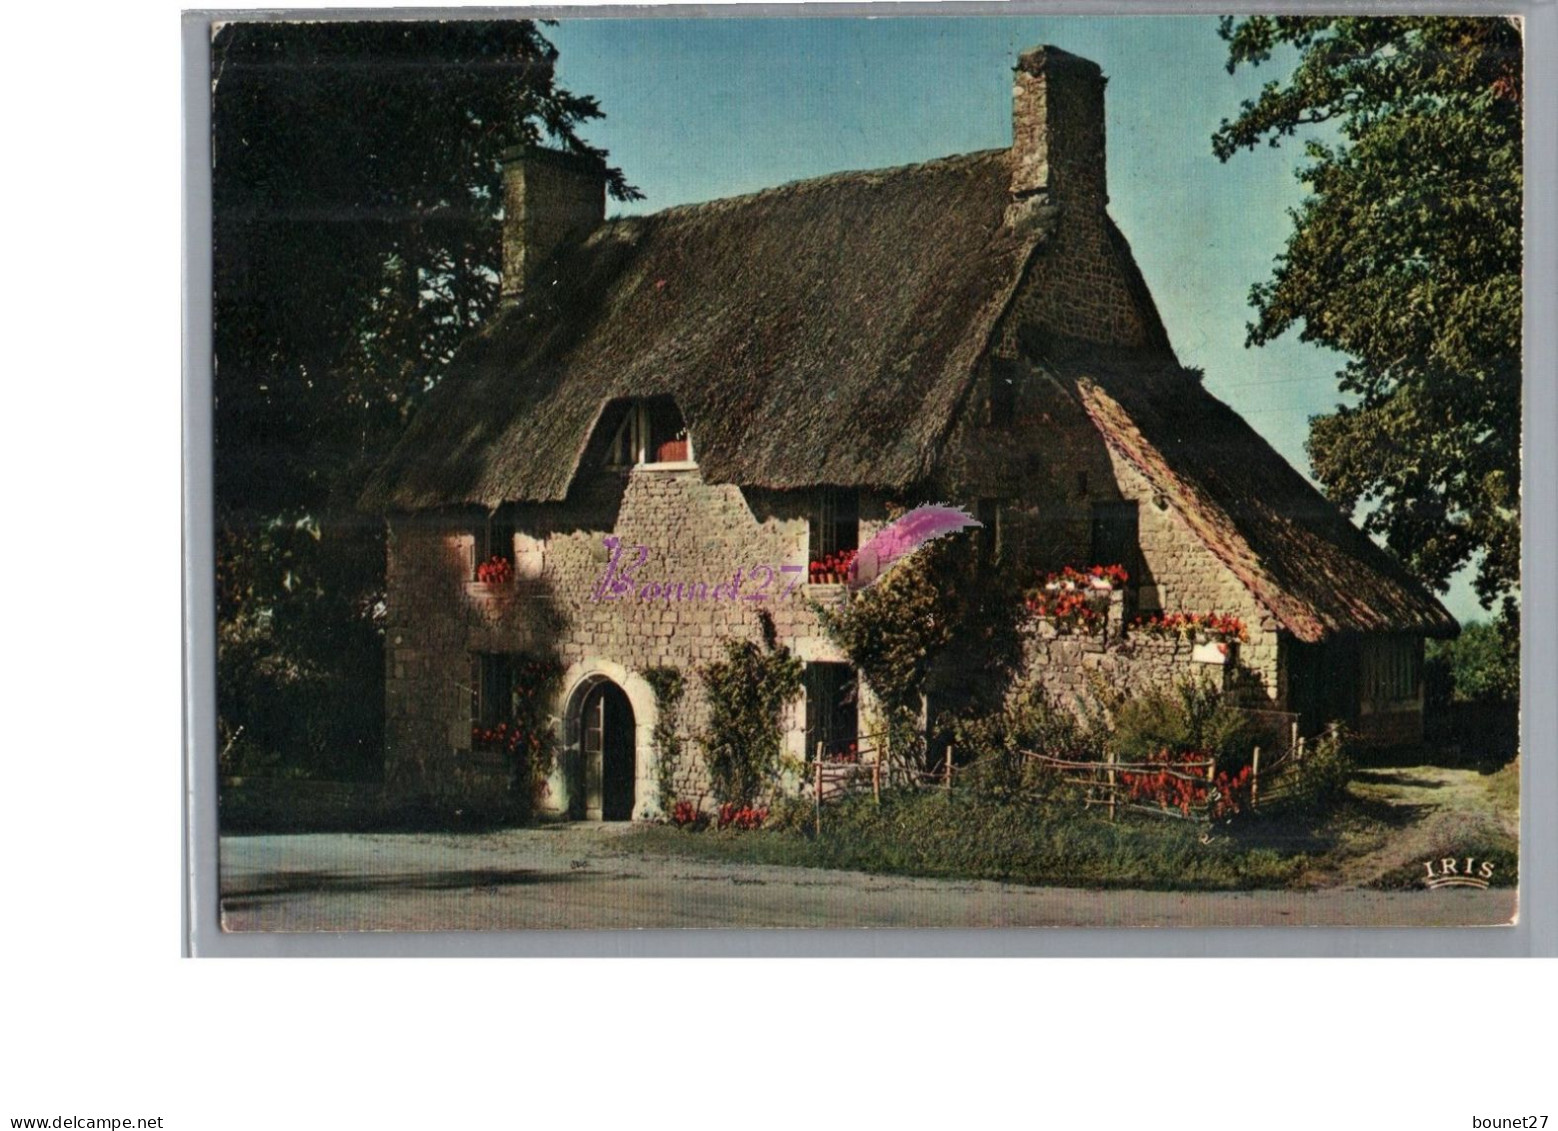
(496, 570)
(672, 451)
(833, 569)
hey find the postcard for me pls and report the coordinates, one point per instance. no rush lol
(978, 471)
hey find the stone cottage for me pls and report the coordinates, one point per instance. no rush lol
(674, 415)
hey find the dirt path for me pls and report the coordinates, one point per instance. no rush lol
(585, 876)
(1431, 811)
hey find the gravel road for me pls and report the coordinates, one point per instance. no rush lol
(588, 876)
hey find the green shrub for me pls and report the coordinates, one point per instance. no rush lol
(747, 691)
(1481, 665)
(1320, 778)
(1192, 717)
(792, 815)
(995, 747)
(669, 687)
(895, 631)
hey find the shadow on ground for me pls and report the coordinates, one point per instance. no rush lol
(1392, 778)
(252, 890)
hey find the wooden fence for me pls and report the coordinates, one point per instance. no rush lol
(1108, 785)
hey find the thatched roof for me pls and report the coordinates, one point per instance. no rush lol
(821, 333)
(1296, 552)
(825, 333)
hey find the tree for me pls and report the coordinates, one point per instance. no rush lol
(1406, 257)
(1481, 665)
(356, 199)
(356, 195)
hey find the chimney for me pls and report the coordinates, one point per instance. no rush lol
(1058, 133)
(549, 198)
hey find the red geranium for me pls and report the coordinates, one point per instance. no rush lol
(495, 570)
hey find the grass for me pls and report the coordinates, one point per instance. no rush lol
(932, 834)
(1503, 787)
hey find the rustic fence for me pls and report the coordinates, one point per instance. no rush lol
(1275, 732)
(1110, 785)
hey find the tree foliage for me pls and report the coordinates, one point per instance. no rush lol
(1481, 665)
(356, 198)
(356, 201)
(1406, 257)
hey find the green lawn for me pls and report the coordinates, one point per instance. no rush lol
(1376, 837)
(931, 834)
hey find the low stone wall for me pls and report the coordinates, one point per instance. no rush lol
(1067, 664)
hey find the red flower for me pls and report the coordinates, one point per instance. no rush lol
(495, 570)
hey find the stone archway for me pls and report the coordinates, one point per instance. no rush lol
(606, 771)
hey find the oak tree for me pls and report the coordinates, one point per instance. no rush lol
(1405, 255)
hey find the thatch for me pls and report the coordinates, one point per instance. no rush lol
(824, 334)
(821, 333)
(1297, 553)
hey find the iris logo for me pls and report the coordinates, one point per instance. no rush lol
(1452, 873)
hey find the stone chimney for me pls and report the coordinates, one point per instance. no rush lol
(549, 198)
(1057, 134)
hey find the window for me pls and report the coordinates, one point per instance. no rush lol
(494, 544)
(835, 523)
(1003, 392)
(1117, 537)
(831, 718)
(651, 433)
(492, 688)
(1392, 669)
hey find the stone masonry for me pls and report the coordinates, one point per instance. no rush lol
(700, 539)
(1036, 457)
(1072, 665)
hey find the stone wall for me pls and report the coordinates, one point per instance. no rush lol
(1049, 468)
(1185, 576)
(713, 557)
(548, 198)
(1073, 665)
(1078, 286)
(708, 552)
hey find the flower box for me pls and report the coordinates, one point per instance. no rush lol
(834, 569)
(495, 570)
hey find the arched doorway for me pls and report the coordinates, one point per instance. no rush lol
(605, 727)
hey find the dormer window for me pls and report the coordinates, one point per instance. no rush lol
(652, 433)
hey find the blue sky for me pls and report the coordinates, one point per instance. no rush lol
(699, 109)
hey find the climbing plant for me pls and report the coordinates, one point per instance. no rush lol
(527, 737)
(896, 630)
(747, 692)
(669, 687)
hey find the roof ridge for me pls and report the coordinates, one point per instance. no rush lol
(806, 184)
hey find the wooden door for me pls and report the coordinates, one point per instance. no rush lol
(606, 741)
(592, 724)
(617, 761)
